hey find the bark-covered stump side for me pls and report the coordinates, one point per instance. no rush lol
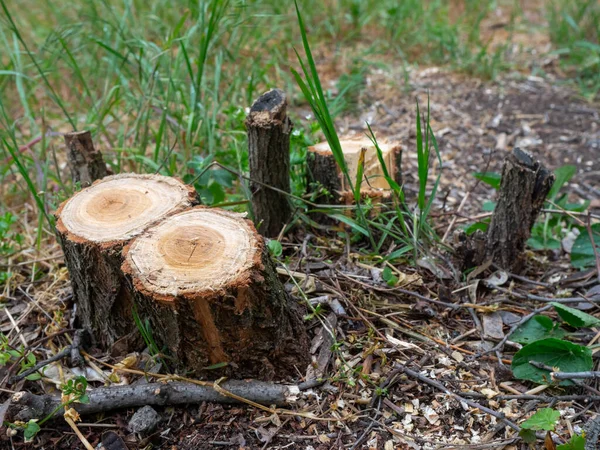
(93, 226)
(86, 163)
(205, 280)
(269, 130)
(324, 172)
(523, 190)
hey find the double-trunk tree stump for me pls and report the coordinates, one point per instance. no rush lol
(93, 226)
(324, 171)
(205, 280)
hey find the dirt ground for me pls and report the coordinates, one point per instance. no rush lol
(477, 123)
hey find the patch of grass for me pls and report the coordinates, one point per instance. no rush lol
(574, 28)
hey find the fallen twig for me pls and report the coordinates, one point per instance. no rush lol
(26, 406)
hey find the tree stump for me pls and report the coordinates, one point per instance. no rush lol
(93, 226)
(85, 162)
(523, 190)
(205, 279)
(324, 170)
(269, 130)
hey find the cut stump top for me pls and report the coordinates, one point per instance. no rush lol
(196, 253)
(372, 168)
(119, 207)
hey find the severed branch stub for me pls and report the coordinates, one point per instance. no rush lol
(86, 163)
(523, 190)
(26, 406)
(269, 130)
(205, 280)
(93, 226)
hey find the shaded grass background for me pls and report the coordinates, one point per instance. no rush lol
(164, 85)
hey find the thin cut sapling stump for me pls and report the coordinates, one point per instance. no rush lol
(205, 280)
(324, 170)
(86, 163)
(523, 190)
(93, 226)
(269, 130)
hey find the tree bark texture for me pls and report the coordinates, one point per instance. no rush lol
(86, 163)
(269, 130)
(523, 190)
(93, 226)
(26, 406)
(213, 297)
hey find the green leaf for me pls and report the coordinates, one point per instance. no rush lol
(543, 419)
(582, 253)
(575, 317)
(491, 178)
(528, 436)
(31, 430)
(216, 366)
(563, 175)
(33, 377)
(536, 329)
(577, 442)
(348, 221)
(389, 277)
(482, 226)
(275, 247)
(566, 356)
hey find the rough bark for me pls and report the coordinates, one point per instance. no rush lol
(213, 297)
(523, 190)
(26, 406)
(269, 130)
(93, 226)
(86, 163)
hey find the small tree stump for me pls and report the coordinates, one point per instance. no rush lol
(85, 162)
(94, 225)
(205, 279)
(523, 190)
(324, 170)
(269, 130)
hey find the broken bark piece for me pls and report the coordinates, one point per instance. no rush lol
(86, 163)
(324, 170)
(26, 406)
(205, 280)
(523, 190)
(93, 226)
(269, 130)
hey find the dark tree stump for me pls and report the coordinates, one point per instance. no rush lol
(93, 226)
(86, 163)
(324, 170)
(523, 190)
(205, 280)
(269, 130)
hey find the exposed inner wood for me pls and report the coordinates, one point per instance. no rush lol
(121, 206)
(205, 280)
(197, 251)
(373, 172)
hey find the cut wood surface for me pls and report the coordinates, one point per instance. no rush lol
(324, 170)
(523, 190)
(205, 279)
(94, 225)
